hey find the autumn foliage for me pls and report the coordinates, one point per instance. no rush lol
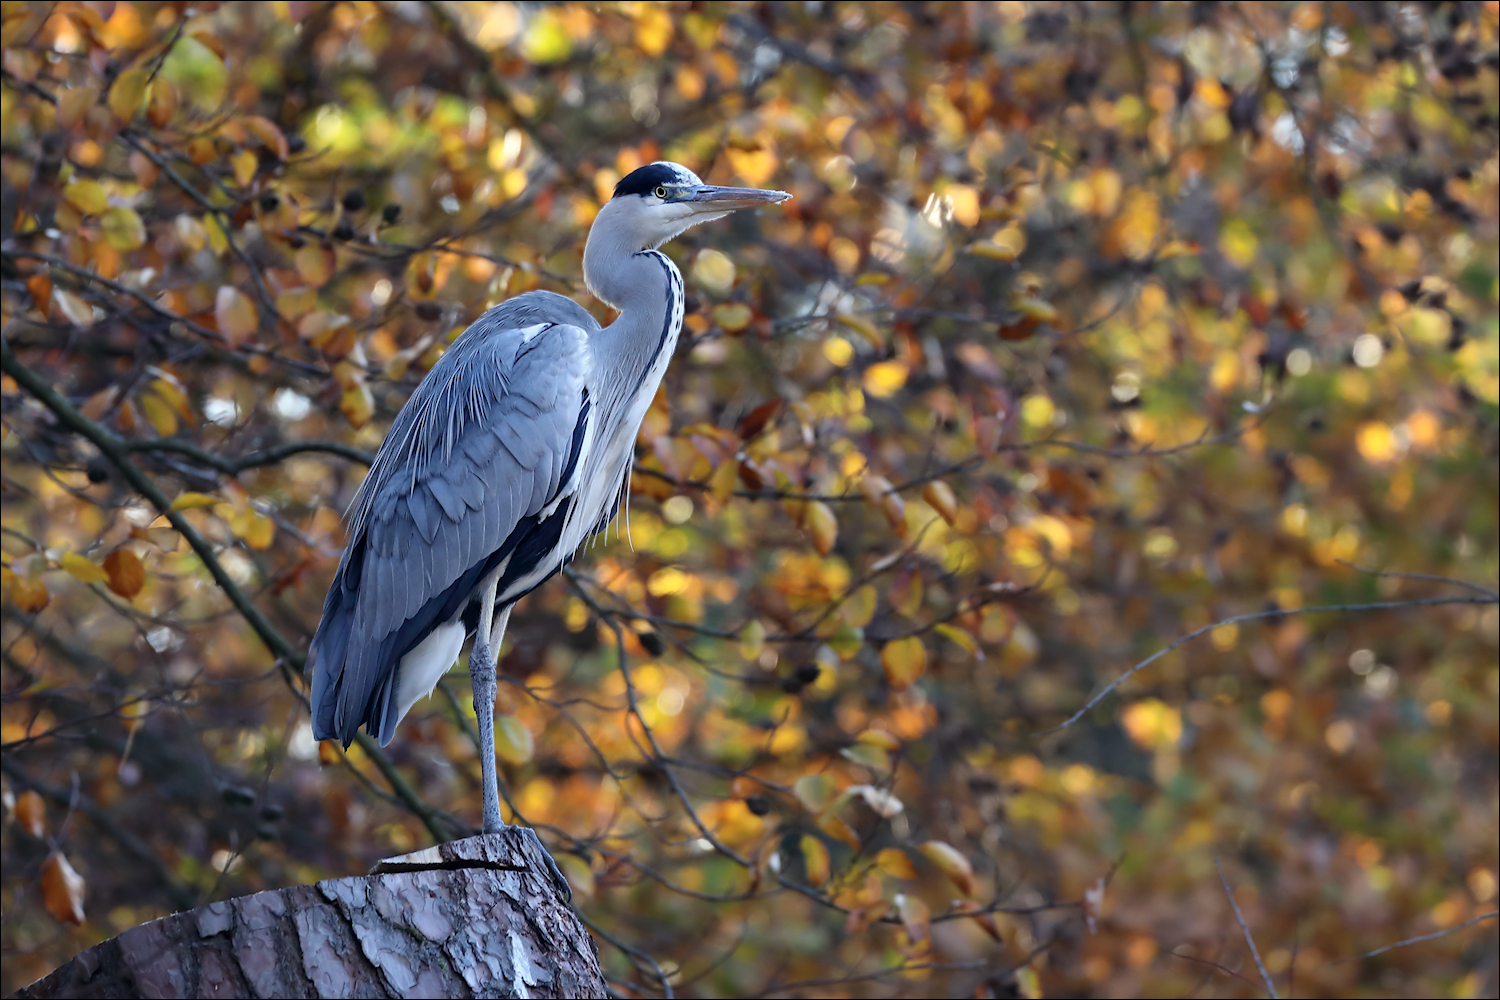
(1093, 332)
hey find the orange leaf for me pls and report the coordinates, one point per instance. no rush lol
(893, 861)
(939, 496)
(40, 287)
(31, 813)
(62, 889)
(28, 595)
(235, 314)
(126, 573)
(839, 830)
(163, 102)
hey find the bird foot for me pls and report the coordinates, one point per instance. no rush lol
(529, 839)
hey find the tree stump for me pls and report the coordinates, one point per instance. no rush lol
(477, 917)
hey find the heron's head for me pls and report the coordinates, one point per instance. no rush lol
(661, 200)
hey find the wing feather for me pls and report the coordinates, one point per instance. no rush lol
(480, 444)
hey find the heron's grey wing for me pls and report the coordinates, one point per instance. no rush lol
(474, 457)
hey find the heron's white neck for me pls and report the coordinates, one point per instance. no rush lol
(646, 288)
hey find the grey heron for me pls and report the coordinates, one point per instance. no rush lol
(514, 449)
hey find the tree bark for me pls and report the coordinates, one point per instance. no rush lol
(477, 917)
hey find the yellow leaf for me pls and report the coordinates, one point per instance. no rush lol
(733, 316)
(959, 637)
(952, 863)
(860, 607)
(129, 91)
(863, 327)
(904, 660)
(879, 738)
(88, 196)
(357, 405)
(62, 889)
(123, 228)
(994, 251)
(894, 861)
(235, 314)
(815, 858)
(83, 568)
(126, 574)
(244, 163)
(187, 501)
(158, 413)
(653, 30)
(315, 264)
(297, 302)
(1035, 308)
(513, 743)
(255, 528)
(74, 103)
(885, 378)
(722, 483)
(823, 526)
(839, 830)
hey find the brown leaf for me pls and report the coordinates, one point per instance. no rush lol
(31, 813)
(74, 103)
(127, 575)
(62, 889)
(752, 423)
(267, 132)
(915, 917)
(235, 314)
(952, 863)
(163, 102)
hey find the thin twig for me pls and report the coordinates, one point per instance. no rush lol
(1256, 616)
(1239, 918)
(1420, 938)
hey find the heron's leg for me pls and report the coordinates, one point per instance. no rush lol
(482, 675)
(482, 670)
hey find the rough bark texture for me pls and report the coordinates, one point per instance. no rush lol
(474, 918)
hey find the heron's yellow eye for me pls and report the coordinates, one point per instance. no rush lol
(661, 192)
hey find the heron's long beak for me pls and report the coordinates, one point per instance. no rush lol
(709, 198)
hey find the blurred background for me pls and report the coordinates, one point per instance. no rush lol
(1090, 327)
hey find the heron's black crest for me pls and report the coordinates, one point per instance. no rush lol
(645, 180)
